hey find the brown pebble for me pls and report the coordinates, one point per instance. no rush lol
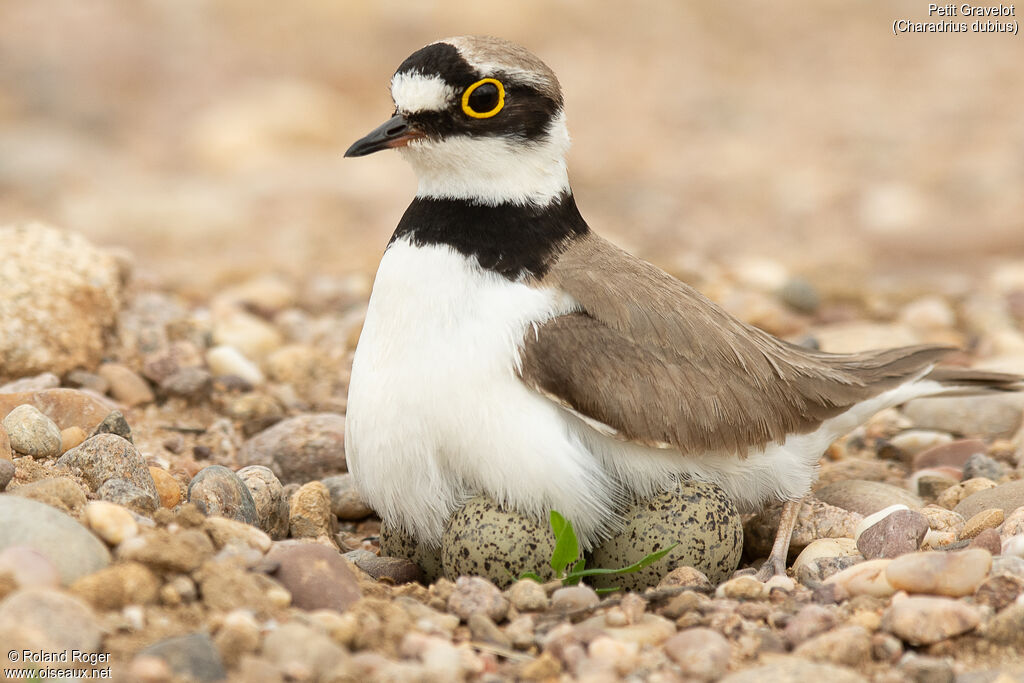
(999, 591)
(953, 454)
(126, 386)
(71, 437)
(167, 487)
(989, 540)
(986, 519)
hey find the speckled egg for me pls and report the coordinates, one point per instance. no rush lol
(696, 515)
(395, 542)
(481, 539)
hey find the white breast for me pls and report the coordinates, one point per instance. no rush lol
(436, 411)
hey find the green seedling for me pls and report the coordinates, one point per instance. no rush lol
(570, 567)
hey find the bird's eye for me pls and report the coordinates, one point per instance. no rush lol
(483, 99)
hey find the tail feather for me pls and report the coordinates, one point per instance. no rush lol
(969, 382)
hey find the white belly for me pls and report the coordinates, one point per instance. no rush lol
(436, 412)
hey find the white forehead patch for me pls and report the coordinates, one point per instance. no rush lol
(413, 92)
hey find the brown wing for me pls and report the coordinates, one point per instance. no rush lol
(659, 363)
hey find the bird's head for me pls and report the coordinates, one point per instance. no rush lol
(480, 119)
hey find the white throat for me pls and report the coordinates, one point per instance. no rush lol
(493, 170)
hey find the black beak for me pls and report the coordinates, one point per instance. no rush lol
(395, 132)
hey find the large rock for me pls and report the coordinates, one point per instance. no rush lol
(299, 449)
(66, 407)
(59, 296)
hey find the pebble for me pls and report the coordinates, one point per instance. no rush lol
(571, 598)
(847, 645)
(989, 540)
(688, 577)
(1013, 524)
(794, 670)
(217, 491)
(182, 550)
(954, 495)
(823, 558)
(1007, 626)
(252, 336)
(226, 532)
(115, 423)
(484, 630)
(393, 570)
(188, 383)
(942, 519)
(59, 296)
(126, 386)
(815, 520)
(71, 437)
(914, 441)
(112, 523)
(866, 578)
(192, 657)
(954, 573)
(304, 652)
(931, 483)
(238, 636)
(5, 445)
(32, 433)
(981, 465)
(394, 542)
(866, 497)
(697, 516)
(1014, 546)
(7, 472)
(44, 380)
(60, 492)
(476, 594)
(268, 497)
(995, 416)
(316, 576)
(107, 456)
(482, 539)
(921, 621)
(66, 407)
(72, 549)
(117, 586)
(167, 487)
(48, 620)
(700, 653)
(901, 531)
(918, 667)
(742, 588)
(999, 591)
(807, 623)
(346, 503)
(953, 454)
(299, 449)
(129, 495)
(29, 567)
(986, 519)
(526, 595)
(165, 362)
(1007, 497)
(310, 514)
(229, 361)
(82, 379)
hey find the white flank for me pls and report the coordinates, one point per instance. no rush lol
(436, 411)
(493, 170)
(413, 92)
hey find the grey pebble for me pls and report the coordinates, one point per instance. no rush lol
(395, 570)
(477, 594)
(569, 598)
(32, 433)
(190, 383)
(129, 495)
(40, 382)
(49, 620)
(866, 497)
(218, 491)
(295, 646)
(395, 542)
(981, 465)
(115, 423)
(72, 548)
(193, 657)
(108, 456)
(269, 499)
(7, 472)
(346, 503)
(299, 449)
(800, 295)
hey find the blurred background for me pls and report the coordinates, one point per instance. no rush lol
(206, 137)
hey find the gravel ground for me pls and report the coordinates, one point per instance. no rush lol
(178, 502)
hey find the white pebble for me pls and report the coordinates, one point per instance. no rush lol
(227, 360)
(111, 522)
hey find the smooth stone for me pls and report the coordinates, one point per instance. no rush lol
(301, 648)
(72, 549)
(941, 519)
(163, 363)
(954, 495)
(393, 570)
(931, 483)
(875, 518)
(107, 456)
(1007, 497)
(59, 298)
(6, 455)
(115, 423)
(316, 576)
(1007, 627)
(193, 657)
(742, 588)
(647, 629)
(117, 586)
(180, 551)
(996, 416)
(899, 532)
(685, 577)
(32, 433)
(346, 503)
(807, 623)
(482, 539)
(227, 360)
(866, 497)
(572, 598)
(395, 542)
(48, 620)
(125, 385)
(29, 567)
(814, 572)
(926, 620)
(526, 595)
(1013, 546)
(697, 516)
(217, 491)
(981, 465)
(40, 382)
(794, 670)
(60, 492)
(66, 407)
(1008, 565)
(847, 645)
(309, 514)
(82, 379)
(918, 667)
(989, 540)
(999, 591)
(299, 449)
(167, 487)
(7, 472)
(865, 578)
(815, 520)
(914, 441)
(474, 594)
(188, 383)
(984, 520)
(953, 454)
(268, 497)
(800, 295)
(112, 523)
(226, 532)
(130, 496)
(954, 573)
(71, 437)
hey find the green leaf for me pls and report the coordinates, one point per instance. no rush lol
(606, 591)
(567, 548)
(531, 576)
(635, 567)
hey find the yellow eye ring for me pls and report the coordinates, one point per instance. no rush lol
(486, 114)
